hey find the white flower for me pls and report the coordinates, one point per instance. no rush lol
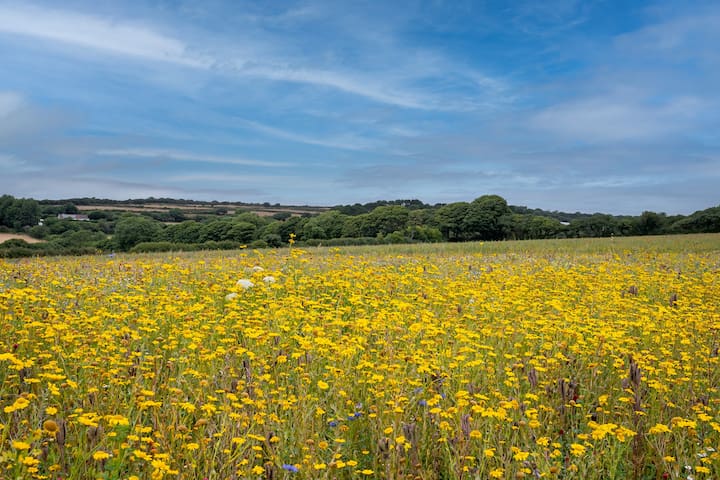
(231, 296)
(245, 283)
(269, 279)
(257, 268)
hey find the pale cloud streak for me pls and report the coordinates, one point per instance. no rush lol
(348, 142)
(97, 33)
(616, 118)
(9, 103)
(349, 83)
(163, 154)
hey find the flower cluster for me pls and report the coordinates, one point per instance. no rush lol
(297, 364)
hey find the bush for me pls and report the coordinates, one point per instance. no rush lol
(163, 246)
(221, 245)
(343, 241)
(258, 244)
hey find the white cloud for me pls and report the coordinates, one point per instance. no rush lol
(265, 56)
(96, 33)
(346, 142)
(685, 36)
(266, 182)
(9, 103)
(615, 118)
(188, 157)
(349, 83)
(11, 163)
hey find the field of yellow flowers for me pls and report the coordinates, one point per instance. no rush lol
(361, 363)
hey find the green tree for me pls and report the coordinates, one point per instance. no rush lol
(176, 215)
(243, 232)
(326, 225)
(216, 230)
(70, 208)
(354, 226)
(487, 218)
(450, 220)
(132, 229)
(18, 213)
(281, 216)
(253, 218)
(651, 223)
(597, 225)
(386, 219)
(293, 225)
(707, 220)
(188, 231)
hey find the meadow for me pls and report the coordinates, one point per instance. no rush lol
(586, 359)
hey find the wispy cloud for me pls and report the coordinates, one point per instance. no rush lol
(617, 118)
(145, 42)
(350, 83)
(22, 122)
(96, 33)
(683, 36)
(347, 142)
(175, 155)
(9, 102)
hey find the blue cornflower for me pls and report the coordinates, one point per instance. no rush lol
(290, 468)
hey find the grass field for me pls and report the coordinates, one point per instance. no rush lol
(587, 359)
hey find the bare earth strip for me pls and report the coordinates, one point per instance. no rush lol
(9, 236)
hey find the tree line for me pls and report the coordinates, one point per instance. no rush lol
(486, 218)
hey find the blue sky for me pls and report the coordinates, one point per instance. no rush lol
(576, 106)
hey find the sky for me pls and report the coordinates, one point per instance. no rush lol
(592, 106)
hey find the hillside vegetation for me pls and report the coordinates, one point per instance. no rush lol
(175, 225)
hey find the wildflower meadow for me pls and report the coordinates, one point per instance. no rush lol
(563, 360)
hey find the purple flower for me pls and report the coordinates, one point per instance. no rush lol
(290, 468)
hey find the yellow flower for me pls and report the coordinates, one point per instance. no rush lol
(30, 461)
(622, 433)
(101, 455)
(521, 456)
(659, 428)
(19, 404)
(19, 445)
(50, 426)
(322, 385)
(497, 473)
(577, 450)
